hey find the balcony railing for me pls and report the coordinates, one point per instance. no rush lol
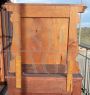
(84, 62)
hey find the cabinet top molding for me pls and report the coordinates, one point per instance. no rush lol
(44, 10)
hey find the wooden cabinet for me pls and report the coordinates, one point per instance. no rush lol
(44, 49)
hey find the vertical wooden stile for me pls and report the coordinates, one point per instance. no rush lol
(72, 48)
(2, 30)
(17, 30)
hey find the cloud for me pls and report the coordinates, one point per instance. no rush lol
(85, 24)
(48, 1)
(34, 1)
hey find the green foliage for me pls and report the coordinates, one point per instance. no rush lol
(85, 35)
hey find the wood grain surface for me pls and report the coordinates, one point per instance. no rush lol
(48, 84)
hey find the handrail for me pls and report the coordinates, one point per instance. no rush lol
(85, 72)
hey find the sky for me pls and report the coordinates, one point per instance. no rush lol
(85, 17)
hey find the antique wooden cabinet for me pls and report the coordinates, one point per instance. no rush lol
(42, 49)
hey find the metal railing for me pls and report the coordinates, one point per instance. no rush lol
(84, 62)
